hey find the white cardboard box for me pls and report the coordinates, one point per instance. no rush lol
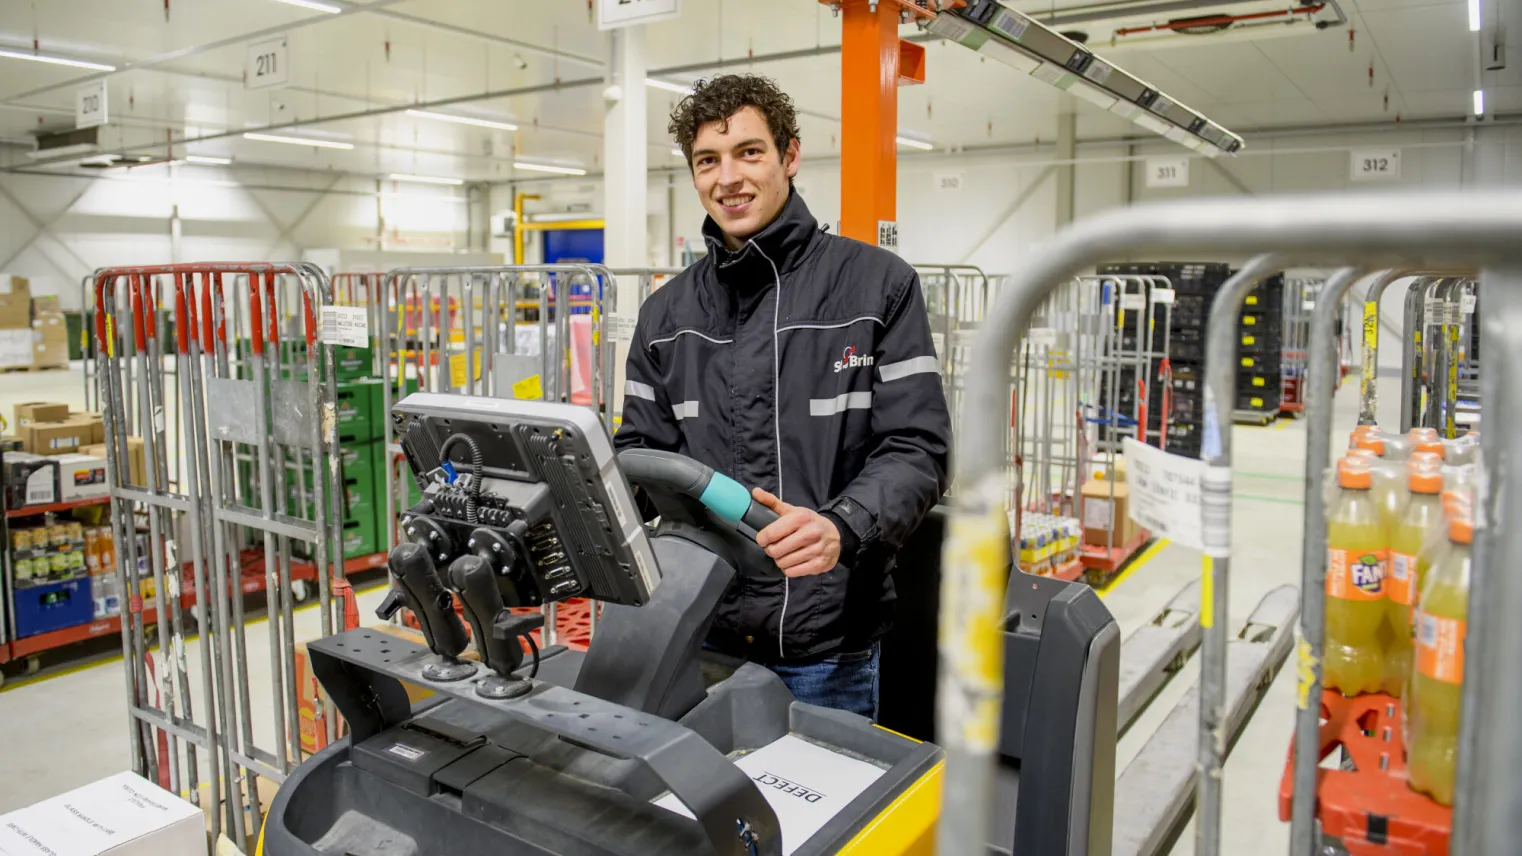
(81, 476)
(121, 815)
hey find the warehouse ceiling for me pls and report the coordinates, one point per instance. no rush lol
(178, 87)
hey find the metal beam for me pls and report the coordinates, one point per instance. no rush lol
(1230, 177)
(192, 50)
(42, 228)
(1014, 208)
(300, 218)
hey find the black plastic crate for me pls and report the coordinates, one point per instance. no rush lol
(1250, 321)
(1269, 362)
(1258, 381)
(1203, 278)
(1259, 399)
(1259, 341)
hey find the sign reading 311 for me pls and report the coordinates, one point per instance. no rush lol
(1168, 172)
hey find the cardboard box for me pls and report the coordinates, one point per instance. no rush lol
(39, 411)
(55, 438)
(81, 476)
(29, 479)
(46, 304)
(15, 303)
(136, 470)
(1106, 518)
(51, 348)
(15, 345)
(91, 421)
(120, 815)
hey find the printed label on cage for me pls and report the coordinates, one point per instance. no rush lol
(1215, 510)
(1440, 647)
(1163, 296)
(459, 372)
(530, 388)
(1133, 301)
(620, 327)
(1357, 575)
(1400, 586)
(1041, 337)
(401, 750)
(1165, 493)
(345, 325)
(1468, 302)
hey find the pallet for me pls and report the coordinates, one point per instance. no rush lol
(1254, 417)
(20, 369)
(1099, 563)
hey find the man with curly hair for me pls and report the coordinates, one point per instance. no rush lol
(801, 363)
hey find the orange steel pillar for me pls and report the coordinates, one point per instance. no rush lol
(873, 63)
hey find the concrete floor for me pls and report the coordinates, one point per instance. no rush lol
(68, 725)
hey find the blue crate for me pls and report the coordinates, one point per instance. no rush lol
(53, 606)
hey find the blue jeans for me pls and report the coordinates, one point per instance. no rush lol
(843, 681)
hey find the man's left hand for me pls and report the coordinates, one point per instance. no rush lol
(801, 541)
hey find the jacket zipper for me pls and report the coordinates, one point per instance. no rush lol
(787, 583)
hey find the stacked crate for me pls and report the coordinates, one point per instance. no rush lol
(1260, 344)
(1194, 285)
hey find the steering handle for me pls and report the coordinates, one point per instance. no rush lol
(726, 498)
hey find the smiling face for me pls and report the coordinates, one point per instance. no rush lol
(740, 176)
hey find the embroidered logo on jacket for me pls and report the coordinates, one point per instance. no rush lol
(849, 360)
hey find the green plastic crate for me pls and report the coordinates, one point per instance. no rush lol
(358, 404)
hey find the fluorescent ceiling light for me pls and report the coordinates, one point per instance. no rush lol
(1474, 16)
(669, 87)
(426, 179)
(914, 144)
(314, 5)
(463, 120)
(1001, 51)
(56, 60)
(1479, 102)
(539, 167)
(298, 141)
(205, 159)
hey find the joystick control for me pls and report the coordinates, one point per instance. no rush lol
(494, 627)
(415, 584)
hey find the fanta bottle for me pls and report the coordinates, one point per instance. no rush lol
(1422, 515)
(1432, 706)
(1391, 447)
(1355, 576)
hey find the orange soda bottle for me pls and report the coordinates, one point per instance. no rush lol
(1422, 515)
(1355, 586)
(1437, 680)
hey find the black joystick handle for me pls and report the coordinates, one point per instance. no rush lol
(416, 585)
(476, 583)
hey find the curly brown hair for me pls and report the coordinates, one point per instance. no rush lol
(718, 98)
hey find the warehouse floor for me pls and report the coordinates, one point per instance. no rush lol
(74, 723)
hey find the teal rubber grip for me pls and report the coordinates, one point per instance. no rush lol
(726, 497)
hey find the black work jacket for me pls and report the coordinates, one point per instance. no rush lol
(801, 363)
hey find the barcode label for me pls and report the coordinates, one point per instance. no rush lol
(1097, 71)
(951, 27)
(620, 327)
(1011, 25)
(1163, 295)
(1161, 105)
(1469, 300)
(1426, 629)
(345, 325)
(1133, 301)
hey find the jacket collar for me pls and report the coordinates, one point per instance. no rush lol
(783, 243)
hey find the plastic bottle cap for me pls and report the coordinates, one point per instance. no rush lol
(1461, 530)
(1370, 442)
(1360, 455)
(1433, 446)
(1425, 480)
(1425, 458)
(1423, 435)
(1456, 499)
(1353, 473)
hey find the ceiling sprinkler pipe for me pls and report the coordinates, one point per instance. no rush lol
(1218, 20)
